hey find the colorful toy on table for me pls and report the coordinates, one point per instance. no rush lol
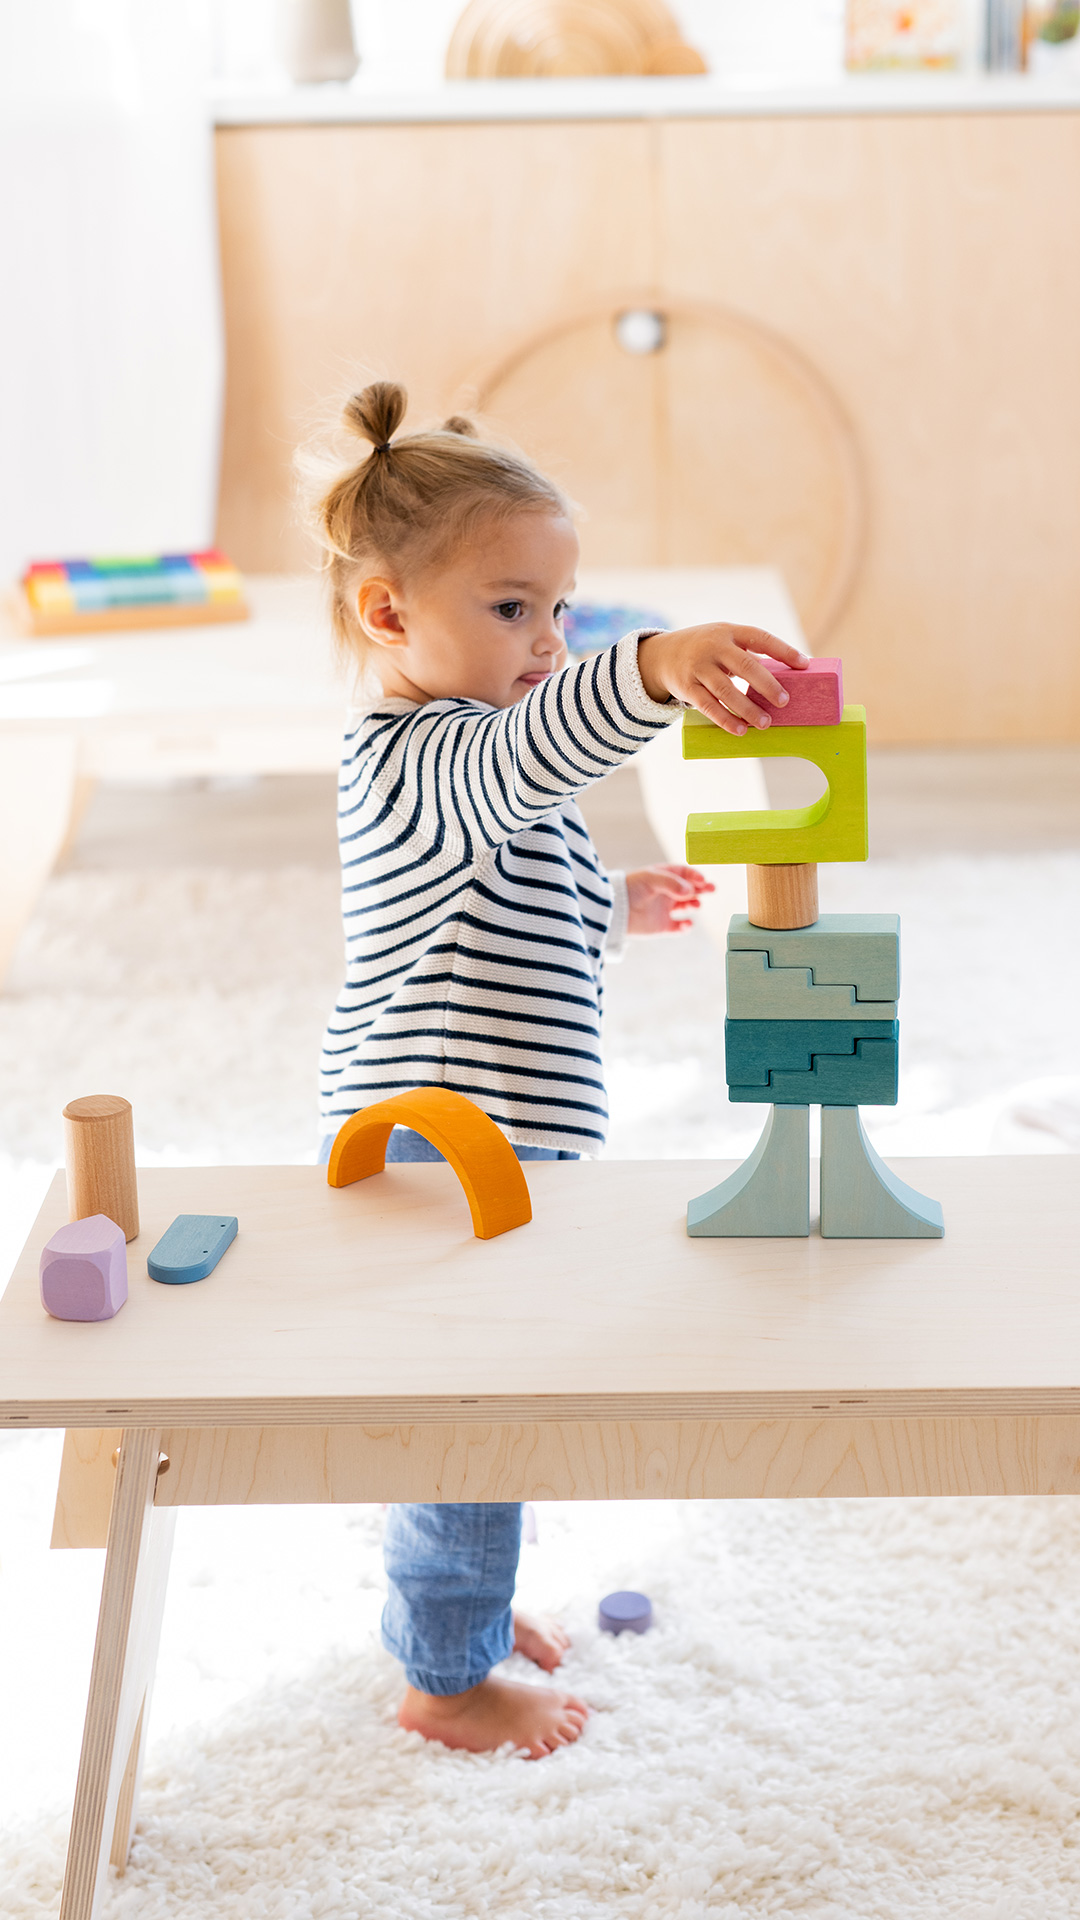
(170, 589)
(191, 1248)
(625, 1613)
(83, 1270)
(479, 1152)
(811, 999)
(589, 629)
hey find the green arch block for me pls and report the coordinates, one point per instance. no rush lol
(833, 828)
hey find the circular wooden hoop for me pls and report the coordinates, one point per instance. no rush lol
(474, 393)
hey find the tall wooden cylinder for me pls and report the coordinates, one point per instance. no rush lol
(782, 896)
(100, 1140)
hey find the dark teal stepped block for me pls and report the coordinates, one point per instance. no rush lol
(757, 1048)
(865, 1078)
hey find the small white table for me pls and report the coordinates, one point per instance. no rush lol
(262, 696)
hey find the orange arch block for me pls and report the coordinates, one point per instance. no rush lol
(481, 1156)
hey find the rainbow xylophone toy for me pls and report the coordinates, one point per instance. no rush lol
(159, 590)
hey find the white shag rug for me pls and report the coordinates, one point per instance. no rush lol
(845, 1709)
(866, 1709)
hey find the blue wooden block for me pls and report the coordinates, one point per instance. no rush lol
(191, 1247)
(769, 1195)
(866, 1078)
(861, 1198)
(755, 1049)
(860, 950)
(757, 991)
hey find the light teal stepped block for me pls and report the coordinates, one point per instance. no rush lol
(861, 1199)
(769, 1195)
(860, 950)
(756, 991)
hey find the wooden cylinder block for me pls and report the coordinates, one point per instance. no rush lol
(100, 1141)
(782, 896)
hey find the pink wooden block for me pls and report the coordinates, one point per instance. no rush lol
(84, 1270)
(815, 694)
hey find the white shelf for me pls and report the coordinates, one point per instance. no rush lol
(637, 99)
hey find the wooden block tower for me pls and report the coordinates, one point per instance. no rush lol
(812, 999)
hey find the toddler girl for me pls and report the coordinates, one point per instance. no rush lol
(478, 915)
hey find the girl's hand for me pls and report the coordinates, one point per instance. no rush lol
(659, 894)
(697, 665)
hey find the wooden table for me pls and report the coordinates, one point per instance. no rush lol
(359, 1344)
(265, 696)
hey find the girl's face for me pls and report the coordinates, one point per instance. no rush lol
(487, 626)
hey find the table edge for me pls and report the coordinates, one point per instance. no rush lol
(936, 1403)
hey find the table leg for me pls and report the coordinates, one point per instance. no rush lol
(129, 1627)
(83, 790)
(38, 791)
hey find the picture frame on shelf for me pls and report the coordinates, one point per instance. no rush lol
(923, 36)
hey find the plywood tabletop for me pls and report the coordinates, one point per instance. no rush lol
(375, 1302)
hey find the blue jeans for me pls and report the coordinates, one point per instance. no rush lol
(451, 1568)
(452, 1572)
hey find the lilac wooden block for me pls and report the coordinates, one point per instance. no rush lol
(625, 1613)
(815, 694)
(84, 1270)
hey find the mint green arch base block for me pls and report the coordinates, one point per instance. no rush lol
(768, 1197)
(861, 1198)
(833, 828)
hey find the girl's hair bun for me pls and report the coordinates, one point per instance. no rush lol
(377, 412)
(400, 513)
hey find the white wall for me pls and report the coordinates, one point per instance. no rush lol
(110, 325)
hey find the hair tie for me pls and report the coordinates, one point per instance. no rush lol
(383, 448)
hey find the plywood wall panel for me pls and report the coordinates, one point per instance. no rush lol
(413, 252)
(929, 268)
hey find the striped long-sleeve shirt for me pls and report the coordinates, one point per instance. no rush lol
(476, 908)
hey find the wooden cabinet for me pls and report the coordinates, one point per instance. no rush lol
(868, 376)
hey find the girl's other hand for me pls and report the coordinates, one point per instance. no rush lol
(661, 896)
(699, 665)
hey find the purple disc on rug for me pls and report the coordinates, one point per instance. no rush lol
(625, 1613)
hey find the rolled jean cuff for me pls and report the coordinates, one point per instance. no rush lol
(437, 1683)
(451, 1569)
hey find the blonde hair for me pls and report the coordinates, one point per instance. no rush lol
(414, 501)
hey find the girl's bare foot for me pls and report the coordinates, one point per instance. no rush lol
(540, 1639)
(536, 1720)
